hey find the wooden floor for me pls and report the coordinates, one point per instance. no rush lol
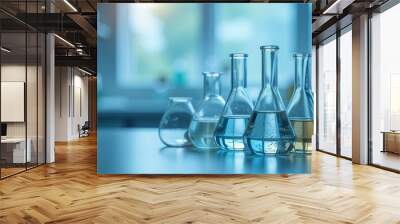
(70, 191)
(5, 172)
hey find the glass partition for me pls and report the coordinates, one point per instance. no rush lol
(22, 88)
(385, 89)
(346, 93)
(327, 96)
(14, 153)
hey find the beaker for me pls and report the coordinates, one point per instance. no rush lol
(204, 121)
(301, 106)
(175, 122)
(269, 130)
(235, 116)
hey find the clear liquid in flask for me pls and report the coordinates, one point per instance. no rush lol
(229, 132)
(201, 133)
(304, 131)
(269, 132)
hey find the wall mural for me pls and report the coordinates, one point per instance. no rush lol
(210, 88)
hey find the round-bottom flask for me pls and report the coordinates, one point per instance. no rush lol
(269, 130)
(175, 122)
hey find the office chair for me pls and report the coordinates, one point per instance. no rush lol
(84, 130)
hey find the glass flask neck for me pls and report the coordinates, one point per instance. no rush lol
(307, 79)
(269, 65)
(212, 85)
(239, 70)
(299, 70)
(302, 69)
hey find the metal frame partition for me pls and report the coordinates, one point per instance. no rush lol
(27, 29)
(369, 125)
(380, 9)
(338, 78)
(339, 31)
(0, 91)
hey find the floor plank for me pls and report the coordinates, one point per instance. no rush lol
(70, 191)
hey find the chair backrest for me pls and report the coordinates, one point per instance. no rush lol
(86, 124)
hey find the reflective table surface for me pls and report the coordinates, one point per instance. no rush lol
(139, 151)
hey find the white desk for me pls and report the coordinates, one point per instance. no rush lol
(19, 149)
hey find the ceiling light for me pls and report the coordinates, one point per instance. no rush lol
(337, 7)
(65, 41)
(70, 5)
(84, 71)
(79, 51)
(5, 50)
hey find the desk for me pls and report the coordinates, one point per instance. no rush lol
(139, 151)
(391, 141)
(15, 148)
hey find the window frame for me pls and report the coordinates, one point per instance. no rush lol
(380, 9)
(334, 37)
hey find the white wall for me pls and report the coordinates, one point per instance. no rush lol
(15, 72)
(33, 127)
(70, 83)
(62, 82)
(80, 108)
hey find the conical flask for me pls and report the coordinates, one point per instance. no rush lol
(301, 106)
(269, 130)
(175, 122)
(202, 126)
(238, 108)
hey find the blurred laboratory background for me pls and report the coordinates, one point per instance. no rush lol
(149, 52)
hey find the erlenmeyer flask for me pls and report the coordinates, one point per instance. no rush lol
(269, 130)
(202, 127)
(175, 122)
(238, 107)
(301, 106)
